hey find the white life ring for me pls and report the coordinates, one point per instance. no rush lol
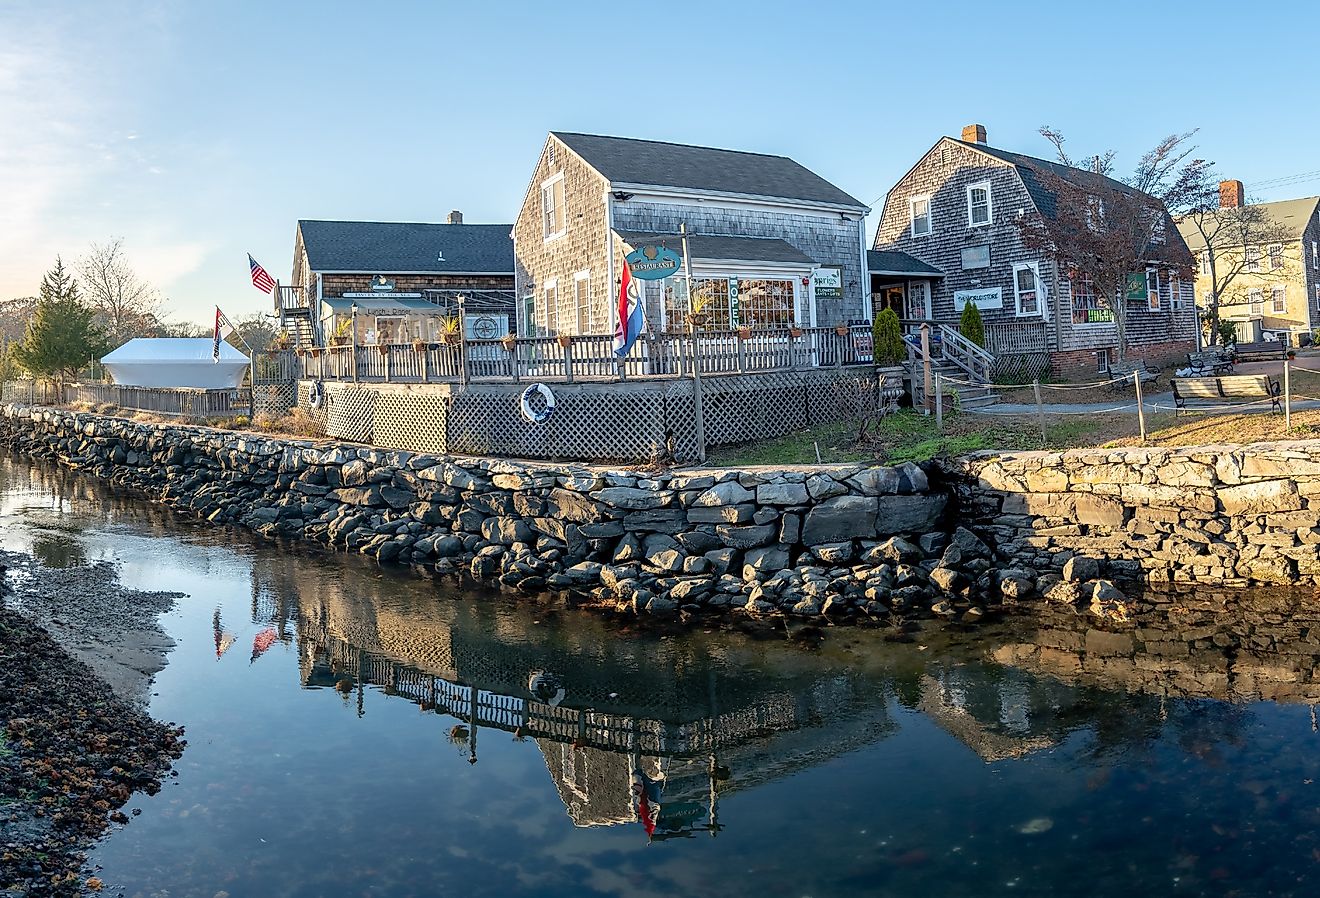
(315, 394)
(546, 396)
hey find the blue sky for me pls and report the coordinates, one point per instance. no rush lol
(202, 131)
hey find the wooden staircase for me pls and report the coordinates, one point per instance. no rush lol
(960, 366)
(294, 310)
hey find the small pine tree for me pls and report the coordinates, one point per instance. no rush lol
(61, 335)
(887, 338)
(971, 325)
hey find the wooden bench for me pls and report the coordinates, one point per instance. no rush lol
(1122, 372)
(1211, 361)
(1234, 389)
(1266, 349)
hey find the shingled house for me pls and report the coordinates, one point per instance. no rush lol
(403, 278)
(956, 210)
(772, 244)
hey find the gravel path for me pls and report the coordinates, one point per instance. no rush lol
(77, 653)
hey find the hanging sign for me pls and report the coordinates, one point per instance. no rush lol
(828, 282)
(1136, 288)
(653, 262)
(382, 284)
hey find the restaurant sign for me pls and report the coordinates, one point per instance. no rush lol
(991, 298)
(1136, 290)
(653, 262)
(827, 281)
(382, 284)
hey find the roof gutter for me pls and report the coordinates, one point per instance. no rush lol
(681, 193)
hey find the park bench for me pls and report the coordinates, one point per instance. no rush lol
(1211, 361)
(1122, 372)
(1266, 349)
(1189, 393)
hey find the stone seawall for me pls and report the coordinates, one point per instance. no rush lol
(850, 541)
(1222, 515)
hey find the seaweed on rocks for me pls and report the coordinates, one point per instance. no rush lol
(72, 753)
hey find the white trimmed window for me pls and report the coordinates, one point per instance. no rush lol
(1253, 258)
(1205, 262)
(919, 215)
(1315, 253)
(978, 204)
(582, 301)
(1153, 289)
(552, 207)
(1175, 291)
(1275, 252)
(1278, 299)
(1102, 361)
(1256, 302)
(550, 295)
(1317, 297)
(1026, 287)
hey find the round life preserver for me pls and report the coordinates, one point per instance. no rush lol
(548, 398)
(315, 394)
(545, 687)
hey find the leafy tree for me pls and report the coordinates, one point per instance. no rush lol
(887, 339)
(62, 335)
(971, 325)
(126, 305)
(1107, 229)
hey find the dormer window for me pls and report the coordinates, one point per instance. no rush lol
(978, 204)
(919, 212)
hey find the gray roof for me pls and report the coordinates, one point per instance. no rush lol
(1027, 167)
(740, 249)
(625, 160)
(1294, 215)
(383, 247)
(893, 262)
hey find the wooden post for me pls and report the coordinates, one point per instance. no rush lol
(939, 403)
(568, 362)
(386, 348)
(925, 364)
(1287, 394)
(1141, 409)
(1040, 409)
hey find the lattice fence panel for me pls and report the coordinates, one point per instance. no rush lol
(351, 415)
(305, 402)
(1020, 369)
(414, 421)
(274, 399)
(739, 409)
(843, 397)
(614, 422)
(681, 420)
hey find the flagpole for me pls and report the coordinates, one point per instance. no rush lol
(697, 410)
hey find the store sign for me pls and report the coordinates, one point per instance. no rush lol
(382, 284)
(1098, 316)
(1136, 288)
(377, 294)
(653, 262)
(991, 298)
(733, 301)
(827, 281)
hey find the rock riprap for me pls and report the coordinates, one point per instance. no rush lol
(850, 541)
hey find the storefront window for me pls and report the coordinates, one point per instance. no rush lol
(1087, 308)
(765, 303)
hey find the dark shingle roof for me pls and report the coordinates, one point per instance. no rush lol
(1027, 167)
(729, 249)
(392, 246)
(625, 160)
(894, 262)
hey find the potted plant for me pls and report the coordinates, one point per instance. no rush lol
(343, 330)
(744, 331)
(841, 329)
(282, 340)
(794, 331)
(697, 311)
(564, 340)
(450, 331)
(509, 341)
(418, 345)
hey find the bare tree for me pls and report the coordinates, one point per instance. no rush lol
(1229, 240)
(1108, 230)
(126, 305)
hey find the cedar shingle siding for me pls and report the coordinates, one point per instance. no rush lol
(945, 173)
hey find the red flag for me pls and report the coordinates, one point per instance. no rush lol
(621, 329)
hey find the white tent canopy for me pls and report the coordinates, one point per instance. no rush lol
(176, 362)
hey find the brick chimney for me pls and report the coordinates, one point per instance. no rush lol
(1230, 195)
(974, 133)
(454, 217)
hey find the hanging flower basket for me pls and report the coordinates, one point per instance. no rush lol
(564, 340)
(744, 333)
(383, 348)
(841, 330)
(418, 345)
(795, 332)
(509, 341)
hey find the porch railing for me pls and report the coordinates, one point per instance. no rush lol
(178, 402)
(290, 298)
(966, 354)
(588, 358)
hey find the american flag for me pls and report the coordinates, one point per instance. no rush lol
(260, 279)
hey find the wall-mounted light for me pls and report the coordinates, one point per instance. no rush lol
(622, 196)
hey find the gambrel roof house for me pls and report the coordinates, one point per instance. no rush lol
(767, 234)
(957, 211)
(1275, 288)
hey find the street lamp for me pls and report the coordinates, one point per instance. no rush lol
(353, 335)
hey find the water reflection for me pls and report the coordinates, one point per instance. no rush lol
(356, 731)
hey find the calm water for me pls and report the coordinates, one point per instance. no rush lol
(1029, 758)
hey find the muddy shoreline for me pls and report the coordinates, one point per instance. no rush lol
(75, 742)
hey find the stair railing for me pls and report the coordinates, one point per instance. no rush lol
(960, 351)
